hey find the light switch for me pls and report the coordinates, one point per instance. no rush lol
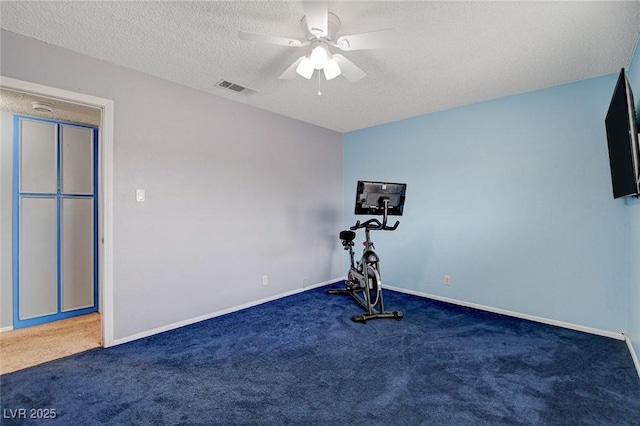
(140, 195)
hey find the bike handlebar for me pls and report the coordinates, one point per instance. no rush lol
(375, 224)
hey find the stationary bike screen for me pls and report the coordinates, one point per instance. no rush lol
(370, 197)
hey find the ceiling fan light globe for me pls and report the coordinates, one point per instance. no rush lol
(331, 70)
(319, 57)
(305, 68)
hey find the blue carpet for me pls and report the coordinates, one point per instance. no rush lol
(300, 360)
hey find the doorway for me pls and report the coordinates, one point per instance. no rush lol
(104, 256)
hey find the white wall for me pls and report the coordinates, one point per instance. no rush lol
(233, 192)
(6, 173)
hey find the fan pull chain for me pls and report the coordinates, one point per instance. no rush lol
(319, 92)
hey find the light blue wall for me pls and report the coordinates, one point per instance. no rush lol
(511, 198)
(634, 211)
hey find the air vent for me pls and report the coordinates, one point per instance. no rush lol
(233, 87)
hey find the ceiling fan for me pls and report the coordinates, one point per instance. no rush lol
(321, 27)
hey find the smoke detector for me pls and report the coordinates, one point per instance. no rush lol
(42, 106)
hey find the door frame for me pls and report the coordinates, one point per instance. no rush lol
(105, 182)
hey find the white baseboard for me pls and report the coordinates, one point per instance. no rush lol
(7, 328)
(605, 333)
(634, 356)
(219, 313)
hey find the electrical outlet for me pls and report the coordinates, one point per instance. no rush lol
(304, 282)
(447, 280)
(265, 279)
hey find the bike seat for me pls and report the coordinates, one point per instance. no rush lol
(347, 236)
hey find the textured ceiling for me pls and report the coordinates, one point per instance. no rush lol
(20, 103)
(447, 54)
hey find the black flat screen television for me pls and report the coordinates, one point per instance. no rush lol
(622, 139)
(370, 198)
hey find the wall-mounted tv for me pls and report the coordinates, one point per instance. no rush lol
(622, 138)
(371, 197)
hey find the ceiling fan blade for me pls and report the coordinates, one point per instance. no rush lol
(370, 40)
(316, 14)
(290, 73)
(260, 38)
(349, 70)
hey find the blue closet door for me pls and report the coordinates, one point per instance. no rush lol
(38, 287)
(55, 220)
(76, 253)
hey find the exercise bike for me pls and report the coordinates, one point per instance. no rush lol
(363, 281)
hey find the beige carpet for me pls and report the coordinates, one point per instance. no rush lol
(31, 346)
